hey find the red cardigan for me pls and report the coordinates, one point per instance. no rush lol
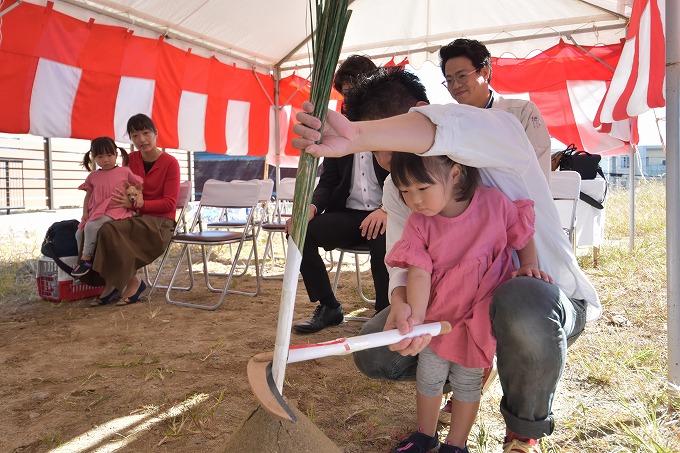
(161, 184)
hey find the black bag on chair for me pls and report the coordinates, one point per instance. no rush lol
(586, 164)
(60, 240)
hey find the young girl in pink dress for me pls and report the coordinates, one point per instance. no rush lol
(458, 247)
(98, 208)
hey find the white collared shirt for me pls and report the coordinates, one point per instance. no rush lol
(365, 193)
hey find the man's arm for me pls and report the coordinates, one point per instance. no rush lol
(469, 135)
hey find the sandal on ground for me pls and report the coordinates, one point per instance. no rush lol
(517, 446)
(113, 295)
(417, 443)
(135, 297)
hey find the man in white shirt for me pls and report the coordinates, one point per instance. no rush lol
(533, 321)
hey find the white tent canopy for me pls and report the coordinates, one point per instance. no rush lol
(272, 34)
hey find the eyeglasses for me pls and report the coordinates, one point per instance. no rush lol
(460, 78)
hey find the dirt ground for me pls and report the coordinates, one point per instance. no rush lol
(154, 377)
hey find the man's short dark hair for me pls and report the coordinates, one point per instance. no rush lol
(384, 93)
(351, 70)
(471, 49)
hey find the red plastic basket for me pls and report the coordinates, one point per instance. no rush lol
(57, 286)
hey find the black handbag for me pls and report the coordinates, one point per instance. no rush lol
(586, 164)
(60, 241)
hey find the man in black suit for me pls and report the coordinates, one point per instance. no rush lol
(345, 212)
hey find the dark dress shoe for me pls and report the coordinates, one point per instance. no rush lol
(323, 317)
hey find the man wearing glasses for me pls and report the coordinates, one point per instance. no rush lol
(466, 65)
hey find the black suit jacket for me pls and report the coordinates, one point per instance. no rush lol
(336, 181)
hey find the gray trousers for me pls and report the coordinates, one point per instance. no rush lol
(87, 238)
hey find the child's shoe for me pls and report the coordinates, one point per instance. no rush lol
(417, 443)
(82, 268)
(446, 448)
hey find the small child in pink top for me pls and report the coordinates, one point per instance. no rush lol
(457, 246)
(98, 208)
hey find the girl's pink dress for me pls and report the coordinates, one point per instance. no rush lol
(468, 256)
(102, 183)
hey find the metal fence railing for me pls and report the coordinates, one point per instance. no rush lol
(11, 184)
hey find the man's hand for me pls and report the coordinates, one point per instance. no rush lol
(312, 213)
(531, 270)
(400, 318)
(374, 224)
(336, 139)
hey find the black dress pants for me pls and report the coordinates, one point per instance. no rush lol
(331, 230)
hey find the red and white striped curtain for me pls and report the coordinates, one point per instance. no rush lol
(639, 81)
(567, 84)
(63, 77)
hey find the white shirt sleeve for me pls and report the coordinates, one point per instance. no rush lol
(491, 138)
(397, 213)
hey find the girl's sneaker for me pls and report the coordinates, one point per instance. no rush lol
(446, 448)
(417, 443)
(82, 268)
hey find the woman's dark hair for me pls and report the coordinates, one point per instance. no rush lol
(103, 145)
(352, 70)
(140, 122)
(386, 92)
(407, 168)
(471, 49)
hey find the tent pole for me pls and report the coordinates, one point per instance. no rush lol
(673, 198)
(10, 8)
(631, 188)
(49, 177)
(277, 129)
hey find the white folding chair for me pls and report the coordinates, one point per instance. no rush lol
(180, 226)
(284, 197)
(565, 187)
(221, 195)
(360, 250)
(266, 189)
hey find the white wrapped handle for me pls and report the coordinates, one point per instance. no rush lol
(343, 346)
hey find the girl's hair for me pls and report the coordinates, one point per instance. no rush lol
(407, 168)
(140, 122)
(103, 145)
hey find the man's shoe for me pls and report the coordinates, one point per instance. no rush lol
(517, 446)
(323, 317)
(417, 443)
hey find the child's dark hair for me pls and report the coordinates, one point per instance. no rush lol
(407, 168)
(103, 145)
(140, 122)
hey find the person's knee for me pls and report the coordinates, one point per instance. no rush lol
(523, 308)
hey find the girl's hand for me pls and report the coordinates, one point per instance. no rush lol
(120, 198)
(400, 318)
(336, 139)
(530, 270)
